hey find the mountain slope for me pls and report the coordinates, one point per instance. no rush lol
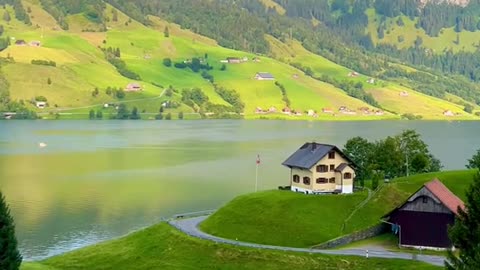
(81, 66)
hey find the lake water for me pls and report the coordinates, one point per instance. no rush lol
(96, 180)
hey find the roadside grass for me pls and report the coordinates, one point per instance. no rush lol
(389, 242)
(163, 247)
(291, 219)
(283, 218)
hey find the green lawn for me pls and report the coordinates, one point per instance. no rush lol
(291, 219)
(283, 218)
(162, 247)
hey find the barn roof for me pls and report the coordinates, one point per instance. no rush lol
(309, 154)
(441, 192)
(265, 75)
(445, 196)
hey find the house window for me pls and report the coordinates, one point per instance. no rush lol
(331, 180)
(306, 180)
(331, 155)
(332, 167)
(347, 175)
(424, 199)
(322, 180)
(296, 179)
(322, 168)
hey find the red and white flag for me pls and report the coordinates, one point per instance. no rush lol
(258, 159)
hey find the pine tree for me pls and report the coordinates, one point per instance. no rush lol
(10, 258)
(465, 233)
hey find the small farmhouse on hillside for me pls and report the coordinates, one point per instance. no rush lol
(320, 168)
(41, 104)
(422, 221)
(35, 43)
(20, 42)
(264, 76)
(133, 87)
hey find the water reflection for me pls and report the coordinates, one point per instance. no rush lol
(98, 180)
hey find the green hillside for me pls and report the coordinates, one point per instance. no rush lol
(162, 247)
(385, 92)
(83, 74)
(290, 219)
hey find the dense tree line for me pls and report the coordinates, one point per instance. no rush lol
(396, 156)
(20, 12)
(60, 9)
(113, 56)
(231, 96)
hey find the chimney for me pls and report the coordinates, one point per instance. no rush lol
(314, 146)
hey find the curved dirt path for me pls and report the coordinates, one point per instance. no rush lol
(190, 227)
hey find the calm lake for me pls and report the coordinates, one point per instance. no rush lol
(96, 180)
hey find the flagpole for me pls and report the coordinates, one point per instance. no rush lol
(256, 177)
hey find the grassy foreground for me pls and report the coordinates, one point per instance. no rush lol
(163, 247)
(289, 219)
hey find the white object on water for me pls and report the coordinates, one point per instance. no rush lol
(42, 145)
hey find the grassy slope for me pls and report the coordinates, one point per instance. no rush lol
(162, 247)
(445, 41)
(282, 218)
(290, 219)
(81, 67)
(305, 93)
(386, 93)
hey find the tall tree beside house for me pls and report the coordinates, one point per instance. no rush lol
(359, 150)
(474, 162)
(10, 258)
(465, 233)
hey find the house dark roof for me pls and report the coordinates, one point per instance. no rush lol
(444, 195)
(265, 75)
(341, 167)
(309, 154)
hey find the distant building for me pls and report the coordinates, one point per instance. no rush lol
(35, 43)
(320, 168)
(311, 113)
(448, 113)
(41, 104)
(234, 60)
(259, 110)
(327, 110)
(422, 220)
(404, 94)
(286, 110)
(371, 81)
(272, 110)
(20, 42)
(133, 87)
(264, 76)
(353, 74)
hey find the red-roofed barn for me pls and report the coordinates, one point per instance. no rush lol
(422, 221)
